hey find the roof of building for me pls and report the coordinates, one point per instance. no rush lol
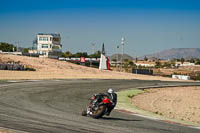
(52, 34)
(145, 62)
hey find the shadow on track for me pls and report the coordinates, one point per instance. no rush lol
(118, 119)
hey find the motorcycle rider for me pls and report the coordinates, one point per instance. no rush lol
(113, 98)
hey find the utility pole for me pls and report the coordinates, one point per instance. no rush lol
(17, 43)
(117, 56)
(123, 43)
(93, 51)
(117, 53)
(93, 44)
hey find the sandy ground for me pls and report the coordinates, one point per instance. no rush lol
(6, 131)
(55, 69)
(3, 131)
(182, 103)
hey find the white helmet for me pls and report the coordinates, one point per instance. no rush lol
(111, 90)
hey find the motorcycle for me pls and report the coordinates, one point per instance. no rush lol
(98, 106)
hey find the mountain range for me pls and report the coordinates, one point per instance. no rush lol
(176, 53)
(119, 56)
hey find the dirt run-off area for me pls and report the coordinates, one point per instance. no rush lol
(181, 103)
(54, 69)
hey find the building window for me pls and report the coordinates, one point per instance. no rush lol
(44, 45)
(43, 39)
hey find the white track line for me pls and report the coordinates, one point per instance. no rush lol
(13, 81)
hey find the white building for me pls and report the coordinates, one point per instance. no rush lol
(48, 44)
(145, 63)
(184, 64)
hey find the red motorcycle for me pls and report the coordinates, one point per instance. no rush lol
(98, 106)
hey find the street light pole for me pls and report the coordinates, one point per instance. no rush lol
(93, 44)
(123, 43)
(116, 56)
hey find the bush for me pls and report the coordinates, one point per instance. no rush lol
(130, 95)
(29, 69)
(197, 77)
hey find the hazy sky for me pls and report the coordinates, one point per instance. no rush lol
(148, 25)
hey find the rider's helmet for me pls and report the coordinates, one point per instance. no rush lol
(111, 90)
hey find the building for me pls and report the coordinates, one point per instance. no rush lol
(49, 44)
(145, 63)
(184, 64)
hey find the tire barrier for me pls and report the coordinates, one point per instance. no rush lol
(11, 66)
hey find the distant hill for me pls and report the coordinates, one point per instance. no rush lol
(119, 56)
(176, 53)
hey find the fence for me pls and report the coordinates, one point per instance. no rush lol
(143, 71)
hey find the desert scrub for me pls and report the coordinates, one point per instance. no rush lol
(29, 68)
(158, 113)
(131, 95)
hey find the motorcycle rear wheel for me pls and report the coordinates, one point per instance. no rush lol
(84, 113)
(99, 112)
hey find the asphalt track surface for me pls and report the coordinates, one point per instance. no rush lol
(54, 106)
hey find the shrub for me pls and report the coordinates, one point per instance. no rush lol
(29, 69)
(130, 95)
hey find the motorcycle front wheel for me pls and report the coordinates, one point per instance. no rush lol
(99, 112)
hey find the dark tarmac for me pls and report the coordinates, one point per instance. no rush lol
(55, 106)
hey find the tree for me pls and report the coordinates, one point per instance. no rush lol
(145, 58)
(172, 62)
(182, 60)
(128, 64)
(126, 60)
(192, 60)
(84, 54)
(6, 47)
(167, 65)
(80, 54)
(26, 50)
(67, 54)
(97, 54)
(197, 62)
(136, 60)
(158, 64)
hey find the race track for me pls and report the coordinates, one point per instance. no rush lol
(54, 106)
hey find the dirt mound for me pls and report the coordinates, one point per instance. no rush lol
(182, 103)
(54, 69)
